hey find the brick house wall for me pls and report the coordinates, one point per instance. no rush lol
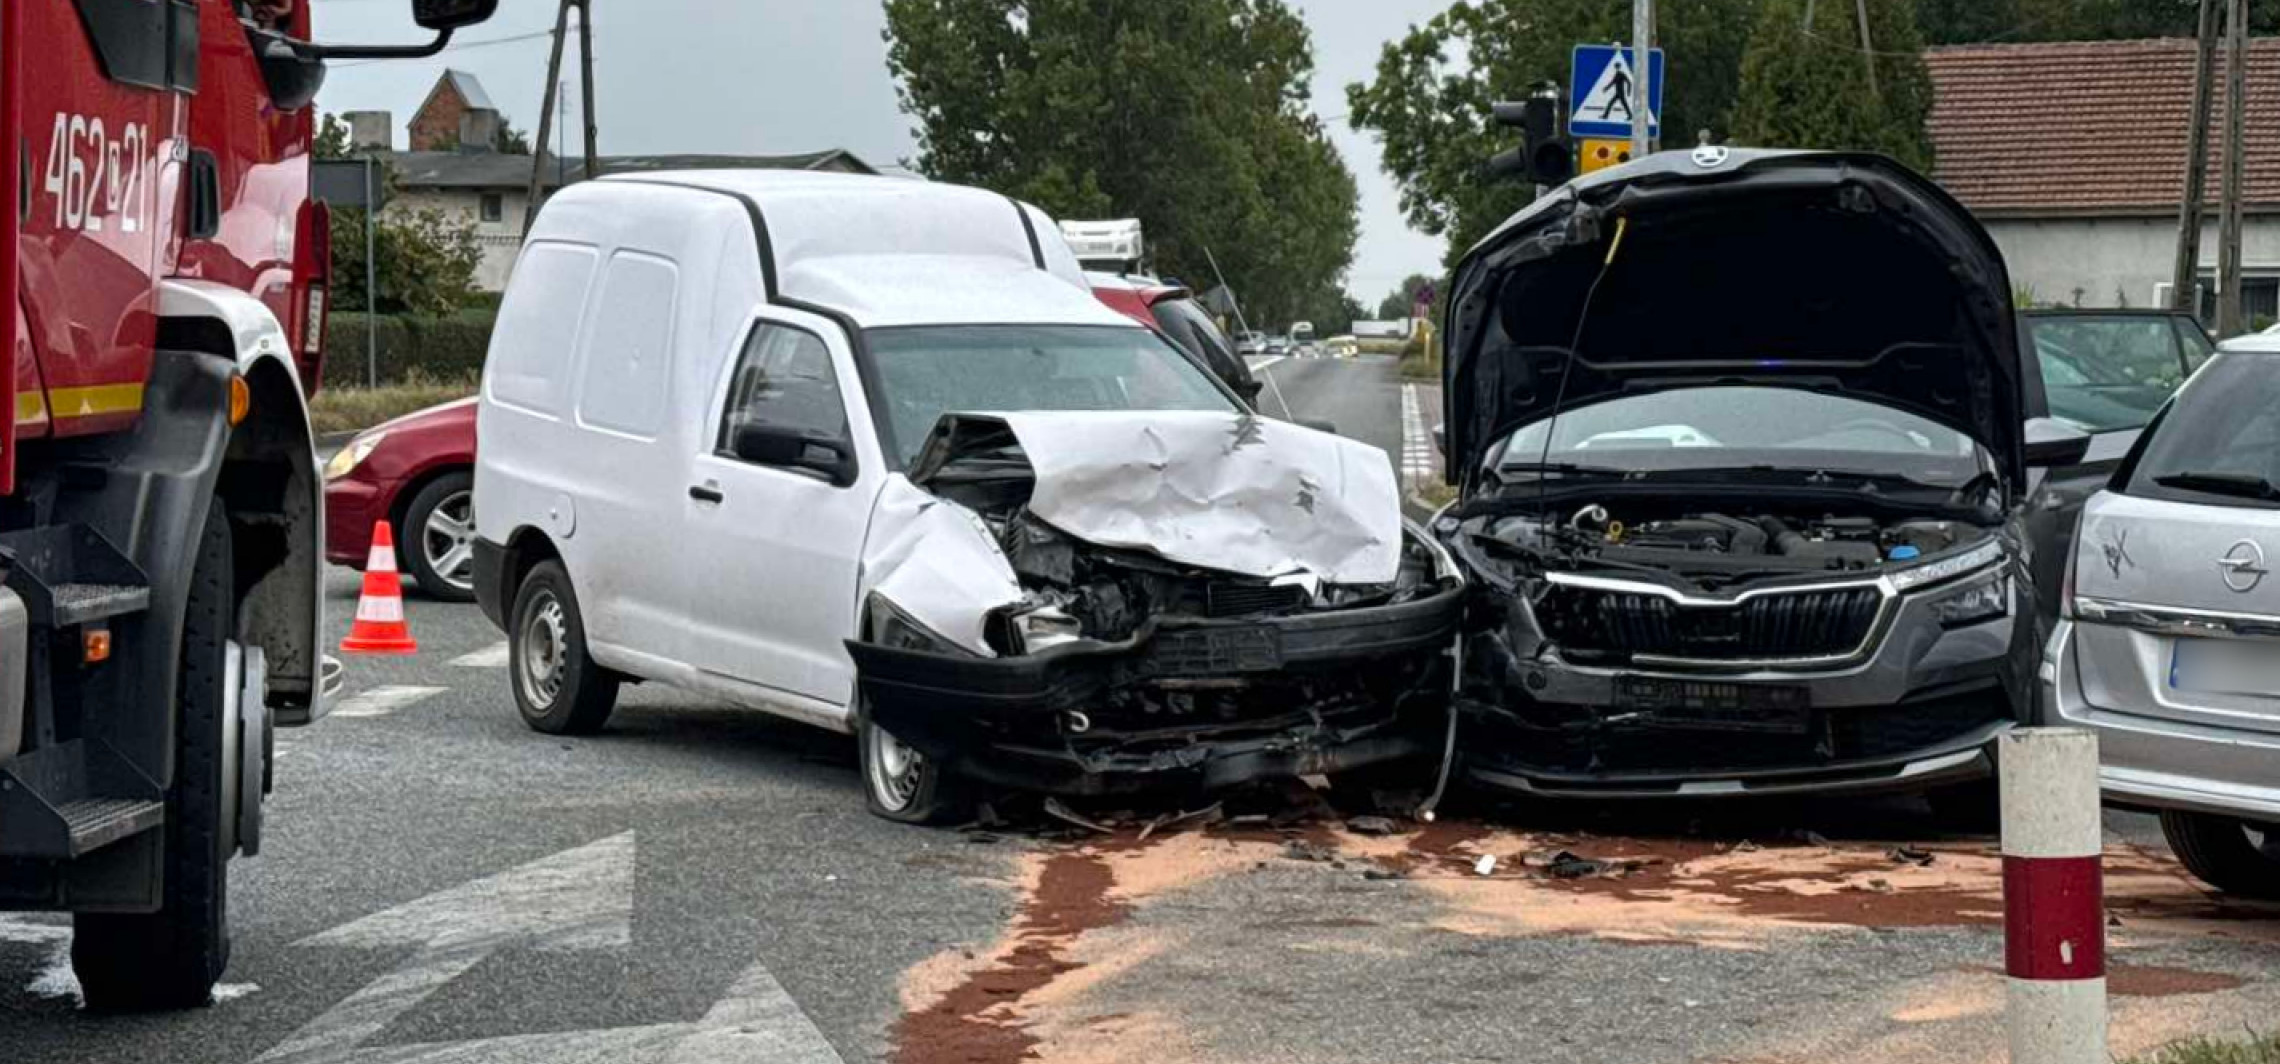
(436, 127)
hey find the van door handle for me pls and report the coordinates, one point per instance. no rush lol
(706, 493)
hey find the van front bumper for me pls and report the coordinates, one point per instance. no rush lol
(1190, 703)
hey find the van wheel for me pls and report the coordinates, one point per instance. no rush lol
(903, 785)
(558, 688)
(439, 527)
(170, 959)
(2228, 853)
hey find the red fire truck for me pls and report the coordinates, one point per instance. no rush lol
(160, 508)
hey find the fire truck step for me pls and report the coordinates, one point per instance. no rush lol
(94, 823)
(70, 575)
(73, 798)
(81, 603)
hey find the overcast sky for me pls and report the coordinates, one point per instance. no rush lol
(781, 76)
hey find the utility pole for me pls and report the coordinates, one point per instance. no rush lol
(2236, 136)
(2185, 276)
(1867, 48)
(586, 85)
(546, 118)
(1642, 69)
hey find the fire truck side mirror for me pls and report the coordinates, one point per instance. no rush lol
(452, 14)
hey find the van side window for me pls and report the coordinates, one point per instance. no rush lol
(784, 380)
(538, 324)
(629, 345)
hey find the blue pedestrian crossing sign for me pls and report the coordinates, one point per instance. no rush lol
(1600, 89)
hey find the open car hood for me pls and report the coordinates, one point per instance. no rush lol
(1840, 273)
(1236, 493)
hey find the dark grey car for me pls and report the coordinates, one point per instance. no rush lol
(2106, 372)
(1742, 447)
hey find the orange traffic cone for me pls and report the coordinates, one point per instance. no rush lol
(379, 627)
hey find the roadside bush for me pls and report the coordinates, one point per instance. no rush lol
(447, 347)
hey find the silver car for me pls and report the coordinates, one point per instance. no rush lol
(2169, 645)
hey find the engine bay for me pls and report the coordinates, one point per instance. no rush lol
(1714, 550)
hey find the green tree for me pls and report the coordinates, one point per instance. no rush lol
(425, 261)
(1187, 114)
(1429, 103)
(1808, 86)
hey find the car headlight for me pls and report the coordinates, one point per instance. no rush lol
(1941, 570)
(353, 455)
(1978, 600)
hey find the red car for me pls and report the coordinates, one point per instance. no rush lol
(418, 474)
(1174, 312)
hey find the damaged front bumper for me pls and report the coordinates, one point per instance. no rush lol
(1188, 702)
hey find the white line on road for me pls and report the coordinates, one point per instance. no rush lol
(1272, 385)
(490, 657)
(1416, 443)
(381, 701)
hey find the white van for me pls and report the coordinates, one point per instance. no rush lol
(715, 454)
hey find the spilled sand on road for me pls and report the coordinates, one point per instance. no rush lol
(1025, 997)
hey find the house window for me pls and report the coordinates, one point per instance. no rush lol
(494, 207)
(2259, 300)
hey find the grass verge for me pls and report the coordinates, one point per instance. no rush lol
(2264, 1049)
(356, 409)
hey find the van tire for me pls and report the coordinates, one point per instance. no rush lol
(2218, 850)
(914, 791)
(171, 959)
(558, 688)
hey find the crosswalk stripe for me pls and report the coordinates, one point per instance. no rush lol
(490, 657)
(381, 701)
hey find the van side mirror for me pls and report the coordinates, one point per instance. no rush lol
(1441, 438)
(789, 448)
(1250, 390)
(2051, 442)
(445, 17)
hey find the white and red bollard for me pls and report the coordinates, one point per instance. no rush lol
(2054, 911)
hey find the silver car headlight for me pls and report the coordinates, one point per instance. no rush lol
(1941, 570)
(353, 455)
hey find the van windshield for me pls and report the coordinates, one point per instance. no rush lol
(923, 372)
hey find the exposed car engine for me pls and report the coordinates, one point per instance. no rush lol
(1714, 549)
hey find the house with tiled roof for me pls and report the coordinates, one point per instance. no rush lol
(2073, 156)
(454, 166)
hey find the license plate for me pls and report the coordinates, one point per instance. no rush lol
(2225, 667)
(1715, 706)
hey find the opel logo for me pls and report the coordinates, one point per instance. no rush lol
(2243, 566)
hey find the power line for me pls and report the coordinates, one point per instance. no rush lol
(460, 47)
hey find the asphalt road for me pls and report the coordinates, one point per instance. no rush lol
(441, 884)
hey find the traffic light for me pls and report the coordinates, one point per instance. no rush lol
(1544, 156)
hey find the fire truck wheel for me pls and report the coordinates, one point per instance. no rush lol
(170, 959)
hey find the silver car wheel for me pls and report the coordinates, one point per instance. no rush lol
(447, 542)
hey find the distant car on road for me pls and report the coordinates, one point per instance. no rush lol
(1277, 346)
(2170, 646)
(1342, 347)
(1173, 311)
(416, 472)
(1251, 345)
(2105, 372)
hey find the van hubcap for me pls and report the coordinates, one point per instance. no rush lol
(545, 640)
(448, 541)
(895, 768)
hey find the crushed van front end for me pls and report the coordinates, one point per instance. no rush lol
(1101, 603)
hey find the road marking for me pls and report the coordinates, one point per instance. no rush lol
(579, 899)
(1417, 464)
(490, 657)
(381, 701)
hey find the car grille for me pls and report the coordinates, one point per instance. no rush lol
(1798, 624)
(1228, 599)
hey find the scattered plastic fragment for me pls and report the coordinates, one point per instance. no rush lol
(1486, 866)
